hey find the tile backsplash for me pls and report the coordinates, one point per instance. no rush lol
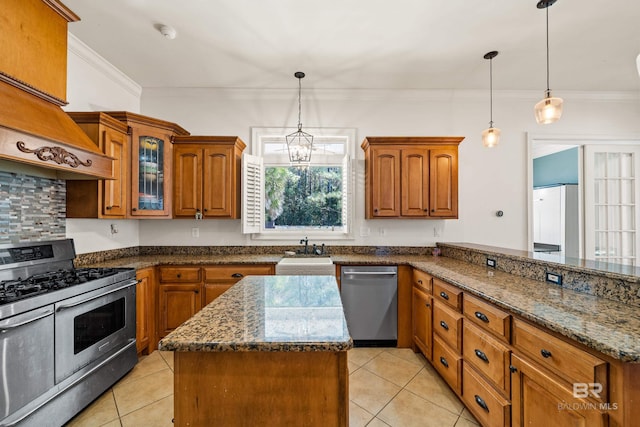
(31, 208)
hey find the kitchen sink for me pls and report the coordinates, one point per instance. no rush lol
(306, 266)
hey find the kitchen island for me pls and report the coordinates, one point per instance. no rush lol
(272, 350)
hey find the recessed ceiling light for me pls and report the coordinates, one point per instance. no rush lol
(168, 32)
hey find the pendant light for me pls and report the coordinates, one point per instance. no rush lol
(549, 109)
(299, 143)
(491, 136)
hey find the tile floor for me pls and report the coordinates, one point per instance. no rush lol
(387, 387)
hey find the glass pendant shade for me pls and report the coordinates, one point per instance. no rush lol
(549, 109)
(490, 137)
(300, 145)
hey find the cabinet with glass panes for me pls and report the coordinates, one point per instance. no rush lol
(151, 153)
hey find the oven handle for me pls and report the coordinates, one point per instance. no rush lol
(75, 304)
(39, 316)
(131, 341)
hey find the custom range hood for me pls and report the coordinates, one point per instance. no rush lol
(34, 130)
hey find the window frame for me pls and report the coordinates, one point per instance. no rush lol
(343, 233)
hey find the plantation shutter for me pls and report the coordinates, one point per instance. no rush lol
(252, 191)
(347, 187)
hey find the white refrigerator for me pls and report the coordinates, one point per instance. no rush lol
(556, 220)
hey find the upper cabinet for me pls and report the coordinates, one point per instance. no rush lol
(411, 177)
(151, 174)
(206, 182)
(102, 198)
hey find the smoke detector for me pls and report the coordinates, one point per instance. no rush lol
(168, 32)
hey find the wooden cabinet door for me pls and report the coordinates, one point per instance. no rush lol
(144, 310)
(187, 188)
(422, 327)
(219, 177)
(443, 183)
(114, 196)
(415, 182)
(178, 303)
(385, 182)
(541, 400)
(214, 290)
(151, 151)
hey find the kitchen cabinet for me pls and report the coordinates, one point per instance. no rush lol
(145, 313)
(206, 180)
(219, 278)
(411, 177)
(102, 198)
(184, 290)
(538, 395)
(179, 297)
(151, 156)
(422, 303)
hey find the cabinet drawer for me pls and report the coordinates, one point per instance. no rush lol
(448, 324)
(488, 355)
(483, 401)
(235, 271)
(488, 317)
(448, 294)
(447, 363)
(561, 358)
(180, 274)
(423, 280)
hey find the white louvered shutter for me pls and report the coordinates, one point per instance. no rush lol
(252, 191)
(347, 188)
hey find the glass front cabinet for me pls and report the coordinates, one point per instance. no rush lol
(151, 154)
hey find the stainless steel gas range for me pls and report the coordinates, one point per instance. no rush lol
(66, 334)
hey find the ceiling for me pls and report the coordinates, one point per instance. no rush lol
(367, 44)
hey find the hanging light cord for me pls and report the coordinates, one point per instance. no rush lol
(299, 104)
(547, 10)
(491, 92)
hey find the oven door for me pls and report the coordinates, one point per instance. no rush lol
(93, 325)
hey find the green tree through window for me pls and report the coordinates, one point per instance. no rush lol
(303, 196)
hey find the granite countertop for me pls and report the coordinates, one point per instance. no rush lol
(605, 325)
(268, 313)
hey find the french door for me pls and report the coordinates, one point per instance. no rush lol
(611, 195)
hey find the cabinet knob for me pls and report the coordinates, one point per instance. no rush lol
(375, 211)
(444, 362)
(545, 353)
(419, 281)
(196, 291)
(108, 207)
(179, 275)
(134, 209)
(513, 369)
(237, 275)
(433, 210)
(444, 295)
(480, 354)
(444, 325)
(427, 305)
(482, 316)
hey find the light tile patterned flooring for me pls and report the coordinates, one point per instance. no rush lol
(387, 387)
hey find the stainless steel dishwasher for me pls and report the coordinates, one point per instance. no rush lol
(370, 299)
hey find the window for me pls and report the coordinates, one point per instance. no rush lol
(283, 201)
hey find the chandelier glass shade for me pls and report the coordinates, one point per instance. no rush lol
(491, 135)
(549, 109)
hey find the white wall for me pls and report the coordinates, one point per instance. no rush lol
(94, 85)
(489, 179)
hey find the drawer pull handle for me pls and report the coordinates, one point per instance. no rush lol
(545, 353)
(237, 275)
(481, 355)
(481, 403)
(482, 317)
(444, 295)
(444, 325)
(419, 281)
(444, 362)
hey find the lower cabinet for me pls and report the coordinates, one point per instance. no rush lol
(488, 406)
(422, 321)
(145, 314)
(539, 399)
(185, 290)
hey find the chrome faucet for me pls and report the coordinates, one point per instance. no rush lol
(306, 244)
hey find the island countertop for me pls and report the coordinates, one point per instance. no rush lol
(268, 313)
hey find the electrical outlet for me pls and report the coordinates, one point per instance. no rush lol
(114, 229)
(195, 232)
(491, 263)
(553, 278)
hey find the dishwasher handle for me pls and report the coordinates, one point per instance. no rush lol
(370, 273)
